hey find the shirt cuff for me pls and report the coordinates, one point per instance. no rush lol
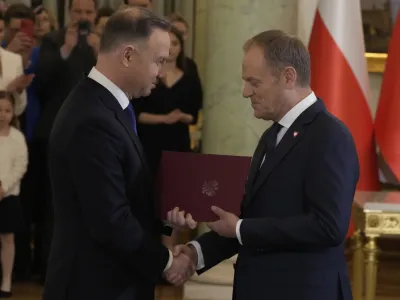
(200, 257)
(238, 231)
(170, 260)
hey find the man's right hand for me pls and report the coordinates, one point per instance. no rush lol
(70, 40)
(188, 250)
(181, 270)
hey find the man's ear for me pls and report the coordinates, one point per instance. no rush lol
(127, 54)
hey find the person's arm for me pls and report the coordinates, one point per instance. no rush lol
(211, 249)
(330, 184)
(20, 96)
(20, 163)
(147, 118)
(95, 156)
(54, 63)
(50, 66)
(141, 108)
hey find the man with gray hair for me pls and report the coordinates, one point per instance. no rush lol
(298, 198)
(105, 243)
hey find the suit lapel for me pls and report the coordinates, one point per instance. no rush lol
(292, 136)
(112, 103)
(255, 164)
(289, 140)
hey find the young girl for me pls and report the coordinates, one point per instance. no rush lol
(13, 164)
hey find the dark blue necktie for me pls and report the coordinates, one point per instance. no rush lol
(131, 115)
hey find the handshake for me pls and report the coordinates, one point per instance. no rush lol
(185, 256)
(183, 265)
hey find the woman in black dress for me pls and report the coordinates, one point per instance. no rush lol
(164, 116)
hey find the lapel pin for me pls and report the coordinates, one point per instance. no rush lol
(296, 133)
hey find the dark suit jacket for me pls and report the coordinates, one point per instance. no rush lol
(55, 77)
(295, 215)
(104, 219)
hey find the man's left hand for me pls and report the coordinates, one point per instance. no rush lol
(179, 220)
(226, 225)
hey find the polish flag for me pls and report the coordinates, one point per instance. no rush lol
(387, 121)
(339, 76)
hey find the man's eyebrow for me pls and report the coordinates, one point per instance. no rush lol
(251, 79)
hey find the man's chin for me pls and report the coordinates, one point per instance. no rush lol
(145, 93)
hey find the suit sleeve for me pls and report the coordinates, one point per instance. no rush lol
(96, 164)
(52, 68)
(50, 64)
(216, 249)
(330, 184)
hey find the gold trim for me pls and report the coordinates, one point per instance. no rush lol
(376, 62)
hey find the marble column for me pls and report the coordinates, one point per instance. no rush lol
(230, 128)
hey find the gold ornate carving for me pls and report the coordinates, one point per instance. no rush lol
(373, 221)
(382, 223)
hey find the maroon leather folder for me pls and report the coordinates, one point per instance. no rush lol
(194, 182)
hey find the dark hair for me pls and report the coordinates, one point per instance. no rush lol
(181, 59)
(10, 97)
(18, 11)
(177, 17)
(103, 12)
(130, 24)
(96, 4)
(126, 1)
(282, 50)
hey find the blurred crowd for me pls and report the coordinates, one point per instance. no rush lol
(41, 61)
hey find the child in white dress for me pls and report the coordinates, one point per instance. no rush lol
(13, 165)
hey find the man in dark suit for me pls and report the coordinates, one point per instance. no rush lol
(298, 198)
(105, 243)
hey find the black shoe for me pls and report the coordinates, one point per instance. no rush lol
(4, 294)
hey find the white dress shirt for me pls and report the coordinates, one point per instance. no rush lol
(121, 97)
(13, 161)
(286, 122)
(123, 100)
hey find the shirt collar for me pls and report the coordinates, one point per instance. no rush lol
(297, 110)
(121, 97)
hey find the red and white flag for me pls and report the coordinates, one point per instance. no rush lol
(339, 76)
(387, 121)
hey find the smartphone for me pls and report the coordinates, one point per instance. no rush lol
(84, 28)
(27, 27)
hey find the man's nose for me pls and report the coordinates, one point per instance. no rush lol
(247, 92)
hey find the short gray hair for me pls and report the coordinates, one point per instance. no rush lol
(282, 50)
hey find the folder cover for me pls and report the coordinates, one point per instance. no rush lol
(195, 182)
